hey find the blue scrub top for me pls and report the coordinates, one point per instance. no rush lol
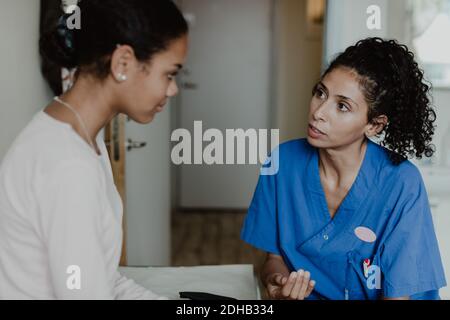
(385, 217)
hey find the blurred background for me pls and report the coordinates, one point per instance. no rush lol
(252, 64)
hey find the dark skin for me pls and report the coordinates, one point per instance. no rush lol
(339, 111)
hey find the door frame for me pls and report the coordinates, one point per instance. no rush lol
(115, 144)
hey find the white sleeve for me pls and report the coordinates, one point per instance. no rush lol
(71, 223)
(127, 289)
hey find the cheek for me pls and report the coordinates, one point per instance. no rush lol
(351, 124)
(153, 88)
(311, 106)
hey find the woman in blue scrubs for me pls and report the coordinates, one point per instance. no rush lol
(344, 217)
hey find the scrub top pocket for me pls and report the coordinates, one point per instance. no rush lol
(357, 286)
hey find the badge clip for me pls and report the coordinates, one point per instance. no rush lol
(366, 265)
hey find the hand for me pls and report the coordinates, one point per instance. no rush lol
(297, 286)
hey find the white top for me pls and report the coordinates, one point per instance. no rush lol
(60, 218)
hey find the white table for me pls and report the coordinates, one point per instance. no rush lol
(235, 281)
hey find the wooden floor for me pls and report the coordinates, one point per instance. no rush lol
(211, 238)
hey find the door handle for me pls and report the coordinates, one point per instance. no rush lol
(130, 144)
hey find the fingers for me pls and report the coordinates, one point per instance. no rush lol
(310, 289)
(287, 288)
(297, 286)
(301, 294)
(280, 280)
(275, 284)
(276, 279)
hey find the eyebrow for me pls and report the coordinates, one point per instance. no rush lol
(348, 99)
(321, 84)
(179, 66)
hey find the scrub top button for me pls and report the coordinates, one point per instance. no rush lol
(325, 237)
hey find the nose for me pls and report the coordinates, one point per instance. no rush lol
(320, 112)
(172, 90)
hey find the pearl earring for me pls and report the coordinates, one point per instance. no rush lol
(121, 77)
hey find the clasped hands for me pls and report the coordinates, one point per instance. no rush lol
(297, 286)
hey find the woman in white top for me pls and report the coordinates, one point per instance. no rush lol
(60, 212)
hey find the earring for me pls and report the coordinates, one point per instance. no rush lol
(121, 77)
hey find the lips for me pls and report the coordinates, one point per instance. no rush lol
(314, 129)
(160, 107)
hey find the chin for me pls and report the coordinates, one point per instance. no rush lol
(315, 143)
(311, 141)
(144, 118)
(148, 119)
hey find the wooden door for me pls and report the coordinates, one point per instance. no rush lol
(115, 142)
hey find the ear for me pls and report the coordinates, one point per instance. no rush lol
(376, 126)
(122, 61)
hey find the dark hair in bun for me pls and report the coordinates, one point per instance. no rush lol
(148, 26)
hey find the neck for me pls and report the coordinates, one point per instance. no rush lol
(339, 164)
(91, 101)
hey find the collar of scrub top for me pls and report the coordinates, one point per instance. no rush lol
(358, 192)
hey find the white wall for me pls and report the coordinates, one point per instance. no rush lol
(229, 61)
(297, 68)
(23, 91)
(397, 15)
(347, 23)
(441, 98)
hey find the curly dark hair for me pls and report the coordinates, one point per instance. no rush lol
(393, 85)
